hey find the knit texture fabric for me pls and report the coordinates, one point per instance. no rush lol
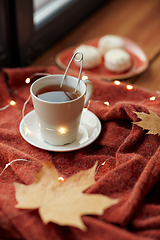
(128, 160)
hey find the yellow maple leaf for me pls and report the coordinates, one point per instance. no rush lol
(150, 122)
(62, 202)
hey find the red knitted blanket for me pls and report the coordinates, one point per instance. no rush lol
(131, 171)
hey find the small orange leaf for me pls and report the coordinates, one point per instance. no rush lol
(150, 122)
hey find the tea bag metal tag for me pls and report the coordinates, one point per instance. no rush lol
(77, 60)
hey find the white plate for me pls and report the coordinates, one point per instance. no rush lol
(89, 130)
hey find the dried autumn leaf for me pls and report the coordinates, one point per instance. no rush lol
(149, 122)
(62, 202)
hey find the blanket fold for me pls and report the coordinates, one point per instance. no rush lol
(128, 162)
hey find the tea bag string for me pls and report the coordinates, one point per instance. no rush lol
(77, 60)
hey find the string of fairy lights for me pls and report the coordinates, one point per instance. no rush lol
(12, 103)
(28, 80)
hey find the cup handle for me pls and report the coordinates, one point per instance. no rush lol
(89, 91)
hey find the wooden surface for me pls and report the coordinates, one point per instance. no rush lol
(138, 20)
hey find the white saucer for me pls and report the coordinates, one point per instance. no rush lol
(89, 130)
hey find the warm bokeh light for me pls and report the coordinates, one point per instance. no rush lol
(27, 80)
(62, 130)
(129, 87)
(152, 98)
(116, 82)
(84, 77)
(61, 179)
(12, 103)
(106, 103)
(27, 131)
(85, 109)
(103, 163)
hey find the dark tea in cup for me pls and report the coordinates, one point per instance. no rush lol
(53, 93)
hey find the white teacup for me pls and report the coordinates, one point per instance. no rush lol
(59, 121)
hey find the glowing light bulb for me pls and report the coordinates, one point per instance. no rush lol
(107, 103)
(152, 98)
(62, 130)
(103, 163)
(129, 87)
(27, 131)
(85, 109)
(12, 103)
(27, 80)
(116, 82)
(84, 77)
(61, 179)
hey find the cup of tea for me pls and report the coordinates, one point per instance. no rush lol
(58, 108)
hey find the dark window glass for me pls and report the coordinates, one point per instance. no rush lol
(29, 27)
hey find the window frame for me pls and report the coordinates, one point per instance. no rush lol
(7, 34)
(28, 42)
